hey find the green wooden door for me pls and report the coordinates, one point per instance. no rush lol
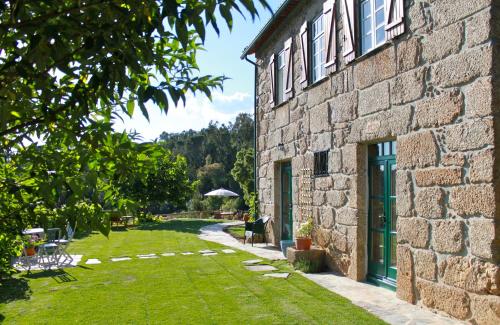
(286, 202)
(382, 215)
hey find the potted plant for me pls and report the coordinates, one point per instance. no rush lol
(30, 244)
(303, 240)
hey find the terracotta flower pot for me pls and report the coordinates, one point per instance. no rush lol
(30, 251)
(303, 243)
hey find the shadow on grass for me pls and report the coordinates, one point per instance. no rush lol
(119, 229)
(191, 226)
(14, 289)
(59, 276)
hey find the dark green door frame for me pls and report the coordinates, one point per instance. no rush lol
(382, 218)
(286, 202)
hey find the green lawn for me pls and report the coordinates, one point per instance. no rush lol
(169, 290)
(236, 231)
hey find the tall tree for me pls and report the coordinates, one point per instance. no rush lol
(68, 68)
(242, 132)
(243, 173)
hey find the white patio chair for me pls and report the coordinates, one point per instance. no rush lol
(63, 245)
(49, 252)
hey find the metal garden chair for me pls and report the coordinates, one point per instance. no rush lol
(63, 244)
(256, 227)
(49, 252)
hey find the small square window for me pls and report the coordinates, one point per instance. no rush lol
(321, 163)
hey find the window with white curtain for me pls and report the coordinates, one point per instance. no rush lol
(372, 21)
(318, 49)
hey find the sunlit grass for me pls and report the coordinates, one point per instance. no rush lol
(181, 289)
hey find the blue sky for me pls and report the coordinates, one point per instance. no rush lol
(222, 57)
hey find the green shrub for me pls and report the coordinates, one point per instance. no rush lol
(232, 204)
(307, 266)
(10, 246)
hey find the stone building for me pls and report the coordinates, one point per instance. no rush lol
(377, 118)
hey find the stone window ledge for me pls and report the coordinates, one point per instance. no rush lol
(316, 83)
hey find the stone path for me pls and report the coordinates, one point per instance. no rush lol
(120, 259)
(147, 256)
(380, 302)
(215, 233)
(93, 261)
(277, 275)
(260, 268)
(250, 262)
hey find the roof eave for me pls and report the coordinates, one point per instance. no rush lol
(275, 20)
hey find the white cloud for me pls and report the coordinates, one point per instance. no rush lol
(197, 114)
(234, 97)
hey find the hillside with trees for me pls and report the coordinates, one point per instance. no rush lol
(211, 155)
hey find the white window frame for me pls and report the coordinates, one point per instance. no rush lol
(280, 82)
(318, 71)
(373, 26)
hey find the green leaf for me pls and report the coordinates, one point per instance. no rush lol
(16, 114)
(130, 107)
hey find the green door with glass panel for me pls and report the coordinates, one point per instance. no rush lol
(382, 215)
(286, 202)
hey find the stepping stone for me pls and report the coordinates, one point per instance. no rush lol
(93, 261)
(206, 251)
(260, 268)
(146, 256)
(187, 253)
(277, 275)
(209, 254)
(168, 254)
(228, 251)
(250, 262)
(119, 259)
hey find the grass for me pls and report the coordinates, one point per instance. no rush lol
(191, 289)
(237, 232)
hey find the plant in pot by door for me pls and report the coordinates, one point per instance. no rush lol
(303, 240)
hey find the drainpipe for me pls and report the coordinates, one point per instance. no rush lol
(254, 127)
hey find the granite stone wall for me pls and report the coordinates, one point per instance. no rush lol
(434, 90)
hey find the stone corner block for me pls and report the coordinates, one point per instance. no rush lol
(417, 150)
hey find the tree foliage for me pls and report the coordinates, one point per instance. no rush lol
(68, 68)
(211, 155)
(243, 172)
(166, 184)
(217, 143)
(63, 63)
